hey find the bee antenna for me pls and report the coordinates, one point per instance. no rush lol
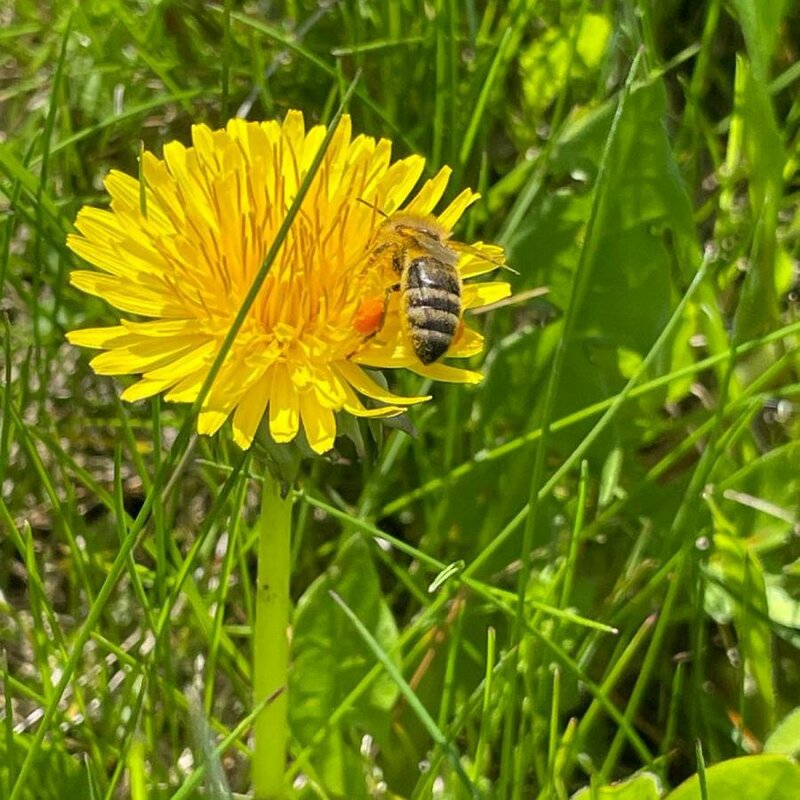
(373, 207)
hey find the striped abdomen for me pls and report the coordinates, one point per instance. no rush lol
(431, 291)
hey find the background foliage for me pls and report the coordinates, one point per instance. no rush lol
(631, 458)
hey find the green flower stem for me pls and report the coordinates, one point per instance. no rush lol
(271, 641)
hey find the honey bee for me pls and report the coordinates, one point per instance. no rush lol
(425, 266)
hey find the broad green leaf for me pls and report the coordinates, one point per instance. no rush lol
(764, 777)
(592, 44)
(545, 63)
(645, 246)
(785, 739)
(643, 257)
(643, 786)
(784, 611)
(329, 658)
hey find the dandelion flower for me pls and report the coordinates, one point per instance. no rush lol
(181, 253)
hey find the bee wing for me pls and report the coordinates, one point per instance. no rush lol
(475, 255)
(492, 253)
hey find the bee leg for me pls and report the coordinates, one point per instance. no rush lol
(381, 320)
(395, 287)
(379, 252)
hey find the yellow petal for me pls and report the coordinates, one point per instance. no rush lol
(397, 183)
(102, 256)
(97, 338)
(116, 254)
(311, 144)
(480, 258)
(284, 408)
(378, 165)
(188, 387)
(200, 355)
(122, 187)
(453, 213)
(362, 383)
(355, 407)
(476, 295)
(157, 357)
(327, 387)
(145, 388)
(430, 194)
(341, 141)
(128, 296)
(203, 139)
(232, 382)
(224, 394)
(319, 423)
(393, 350)
(166, 328)
(293, 125)
(292, 137)
(209, 422)
(249, 413)
(446, 373)
(374, 413)
(469, 344)
(98, 224)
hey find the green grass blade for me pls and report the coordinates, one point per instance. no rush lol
(413, 701)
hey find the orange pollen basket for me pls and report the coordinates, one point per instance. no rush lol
(369, 315)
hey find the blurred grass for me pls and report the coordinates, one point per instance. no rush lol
(631, 458)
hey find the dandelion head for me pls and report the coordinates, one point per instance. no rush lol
(179, 251)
